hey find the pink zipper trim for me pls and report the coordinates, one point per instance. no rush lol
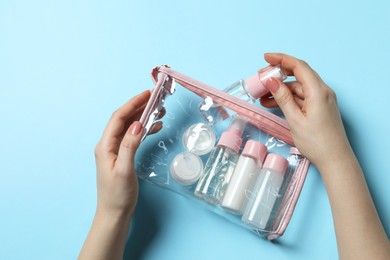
(293, 190)
(152, 100)
(263, 119)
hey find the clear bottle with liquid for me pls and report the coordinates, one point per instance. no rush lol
(263, 196)
(221, 163)
(249, 89)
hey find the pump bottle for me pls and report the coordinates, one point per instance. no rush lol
(221, 163)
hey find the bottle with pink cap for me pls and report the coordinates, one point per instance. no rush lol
(253, 87)
(221, 163)
(246, 172)
(249, 89)
(264, 193)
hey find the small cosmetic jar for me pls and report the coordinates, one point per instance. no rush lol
(199, 139)
(186, 168)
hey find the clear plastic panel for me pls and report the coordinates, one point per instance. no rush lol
(175, 157)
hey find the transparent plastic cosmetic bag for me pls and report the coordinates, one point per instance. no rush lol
(225, 154)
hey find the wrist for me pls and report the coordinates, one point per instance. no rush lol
(338, 164)
(111, 215)
(334, 156)
(108, 235)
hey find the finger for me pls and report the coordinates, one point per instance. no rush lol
(293, 66)
(268, 102)
(129, 121)
(155, 127)
(296, 88)
(299, 101)
(270, 67)
(285, 100)
(266, 96)
(116, 126)
(135, 117)
(297, 67)
(129, 145)
(138, 115)
(271, 102)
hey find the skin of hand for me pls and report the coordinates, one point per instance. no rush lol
(117, 184)
(311, 110)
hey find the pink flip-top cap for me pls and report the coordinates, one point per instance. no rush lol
(276, 163)
(255, 87)
(231, 139)
(255, 150)
(255, 83)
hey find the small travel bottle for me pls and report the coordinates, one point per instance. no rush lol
(246, 172)
(221, 163)
(265, 192)
(249, 90)
(253, 87)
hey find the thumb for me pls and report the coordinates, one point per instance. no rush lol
(128, 147)
(285, 99)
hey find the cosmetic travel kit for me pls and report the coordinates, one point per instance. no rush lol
(221, 150)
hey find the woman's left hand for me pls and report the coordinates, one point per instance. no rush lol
(117, 184)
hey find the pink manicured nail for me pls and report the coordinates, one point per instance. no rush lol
(135, 128)
(272, 84)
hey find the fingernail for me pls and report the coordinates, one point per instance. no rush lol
(272, 84)
(135, 128)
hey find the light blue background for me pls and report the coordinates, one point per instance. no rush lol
(66, 65)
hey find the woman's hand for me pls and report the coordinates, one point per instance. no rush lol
(310, 107)
(117, 184)
(311, 110)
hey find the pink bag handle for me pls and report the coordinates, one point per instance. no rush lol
(261, 118)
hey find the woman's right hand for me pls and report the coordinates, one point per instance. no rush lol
(310, 107)
(311, 110)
